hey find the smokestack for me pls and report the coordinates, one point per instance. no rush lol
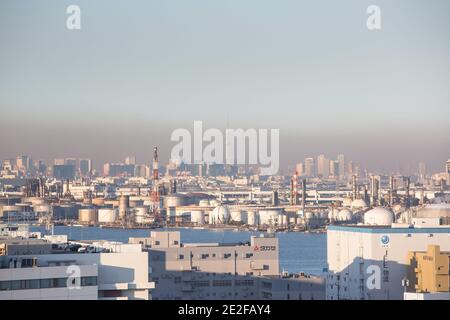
(374, 185)
(294, 192)
(354, 188)
(303, 194)
(407, 200)
(391, 190)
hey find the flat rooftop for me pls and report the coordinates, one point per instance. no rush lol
(388, 229)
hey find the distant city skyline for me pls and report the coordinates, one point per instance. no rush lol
(133, 74)
(309, 166)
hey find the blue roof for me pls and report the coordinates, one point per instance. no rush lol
(386, 229)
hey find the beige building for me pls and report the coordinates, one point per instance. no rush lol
(429, 271)
(222, 271)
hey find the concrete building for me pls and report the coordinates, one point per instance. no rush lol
(428, 274)
(102, 270)
(222, 271)
(370, 262)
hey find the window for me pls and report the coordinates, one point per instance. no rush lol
(88, 281)
(45, 283)
(222, 283)
(157, 243)
(198, 284)
(181, 256)
(243, 283)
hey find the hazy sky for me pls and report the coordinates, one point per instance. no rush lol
(139, 69)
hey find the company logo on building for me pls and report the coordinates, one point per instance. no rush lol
(264, 248)
(385, 240)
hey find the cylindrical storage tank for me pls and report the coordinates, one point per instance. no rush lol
(140, 213)
(98, 201)
(88, 215)
(124, 204)
(198, 216)
(282, 220)
(236, 215)
(65, 212)
(252, 218)
(175, 200)
(107, 215)
(268, 216)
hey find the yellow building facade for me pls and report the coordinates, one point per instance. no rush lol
(429, 271)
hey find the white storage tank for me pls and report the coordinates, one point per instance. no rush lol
(140, 214)
(269, 216)
(282, 220)
(236, 215)
(198, 217)
(252, 218)
(107, 215)
(175, 200)
(88, 215)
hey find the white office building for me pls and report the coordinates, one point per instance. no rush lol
(367, 262)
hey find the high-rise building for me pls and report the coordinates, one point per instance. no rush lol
(64, 172)
(118, 170)
(23, 163)
(309, 167)
(341, 164)
(323, 166)
(85, 167)
(350, 169)
(334, 168)
(130, 160)
(71, 162)
(422, 171)
(299, 169)
(59, 161)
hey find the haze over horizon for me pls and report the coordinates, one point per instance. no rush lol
(133, 74)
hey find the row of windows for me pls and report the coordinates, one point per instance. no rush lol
(222, 283)
(213, 255)
(44, 283)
